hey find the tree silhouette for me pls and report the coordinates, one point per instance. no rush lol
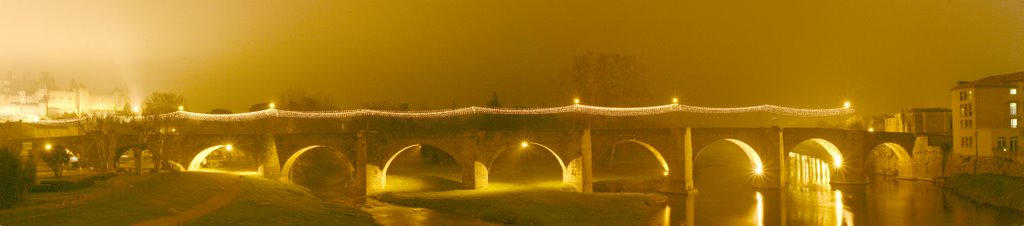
(608, 79)
(220, 111)
(160, 103)
(57, 158)
(300, 100)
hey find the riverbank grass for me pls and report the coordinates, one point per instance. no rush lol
(546, 205)
(269, 202)
(992, 189)
(150, 197)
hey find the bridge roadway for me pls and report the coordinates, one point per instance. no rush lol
(676, 149)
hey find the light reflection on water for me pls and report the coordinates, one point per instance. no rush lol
(886, 201)
(388, 214)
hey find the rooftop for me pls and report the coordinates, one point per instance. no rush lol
(930, 110)
(992, 81)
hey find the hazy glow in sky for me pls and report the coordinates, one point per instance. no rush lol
(885, 55)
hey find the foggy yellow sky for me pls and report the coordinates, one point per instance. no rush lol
(886, 55)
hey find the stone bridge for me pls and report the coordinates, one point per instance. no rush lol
(372, 152)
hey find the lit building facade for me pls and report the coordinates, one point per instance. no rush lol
(35, 99)
(987, 114)
(934, 121)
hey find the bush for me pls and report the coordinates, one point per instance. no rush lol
(991, 189)
(10, 179)
(60, 185)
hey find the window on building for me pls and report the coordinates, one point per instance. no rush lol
(1013, 144)
(1013, 108)
(970, 94)
(1013, 123)
(1013, 91)
(1001, 144)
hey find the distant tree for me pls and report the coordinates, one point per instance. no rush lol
(220, 111)
(57, 158)
(608, 79)
(10, 179)
(495, 122)
(160, 103)
(259, 107)
(856, 123)
(495, 102)
(300, 100)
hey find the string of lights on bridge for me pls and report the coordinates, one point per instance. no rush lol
(576, 108)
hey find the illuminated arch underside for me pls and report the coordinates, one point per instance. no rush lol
(655, 152)
(755, 160)
(198, 160)
(287, 169)
(833, 151)
(384, 171)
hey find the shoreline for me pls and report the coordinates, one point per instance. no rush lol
(1000, 191)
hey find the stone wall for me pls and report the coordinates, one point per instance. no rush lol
(927, 161)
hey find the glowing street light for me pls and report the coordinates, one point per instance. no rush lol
(666, 173)
(48, 147)
(847, 105)
(675, 100)
(272, 105)
(576, 101)
(758, 171)
(524, 144)
(181, 107)
(871, 129)
(136, 109)
(229, 147)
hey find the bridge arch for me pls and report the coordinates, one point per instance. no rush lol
(526, 144)
(756, 165)
(833, 152)
(904, 163)
(126, 152)
(814, 162)
(198, 159)
(654, 151)
(387, 164)
(286, 169)
(120, 151)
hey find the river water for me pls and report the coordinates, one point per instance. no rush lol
(726, 197)
(389, 214)
(886, 201)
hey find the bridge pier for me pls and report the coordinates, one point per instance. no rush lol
(474, 171)
(369, 176)
(578, 175)
(679, 178)
(773, 157)
(269, 161)
(475, 175)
